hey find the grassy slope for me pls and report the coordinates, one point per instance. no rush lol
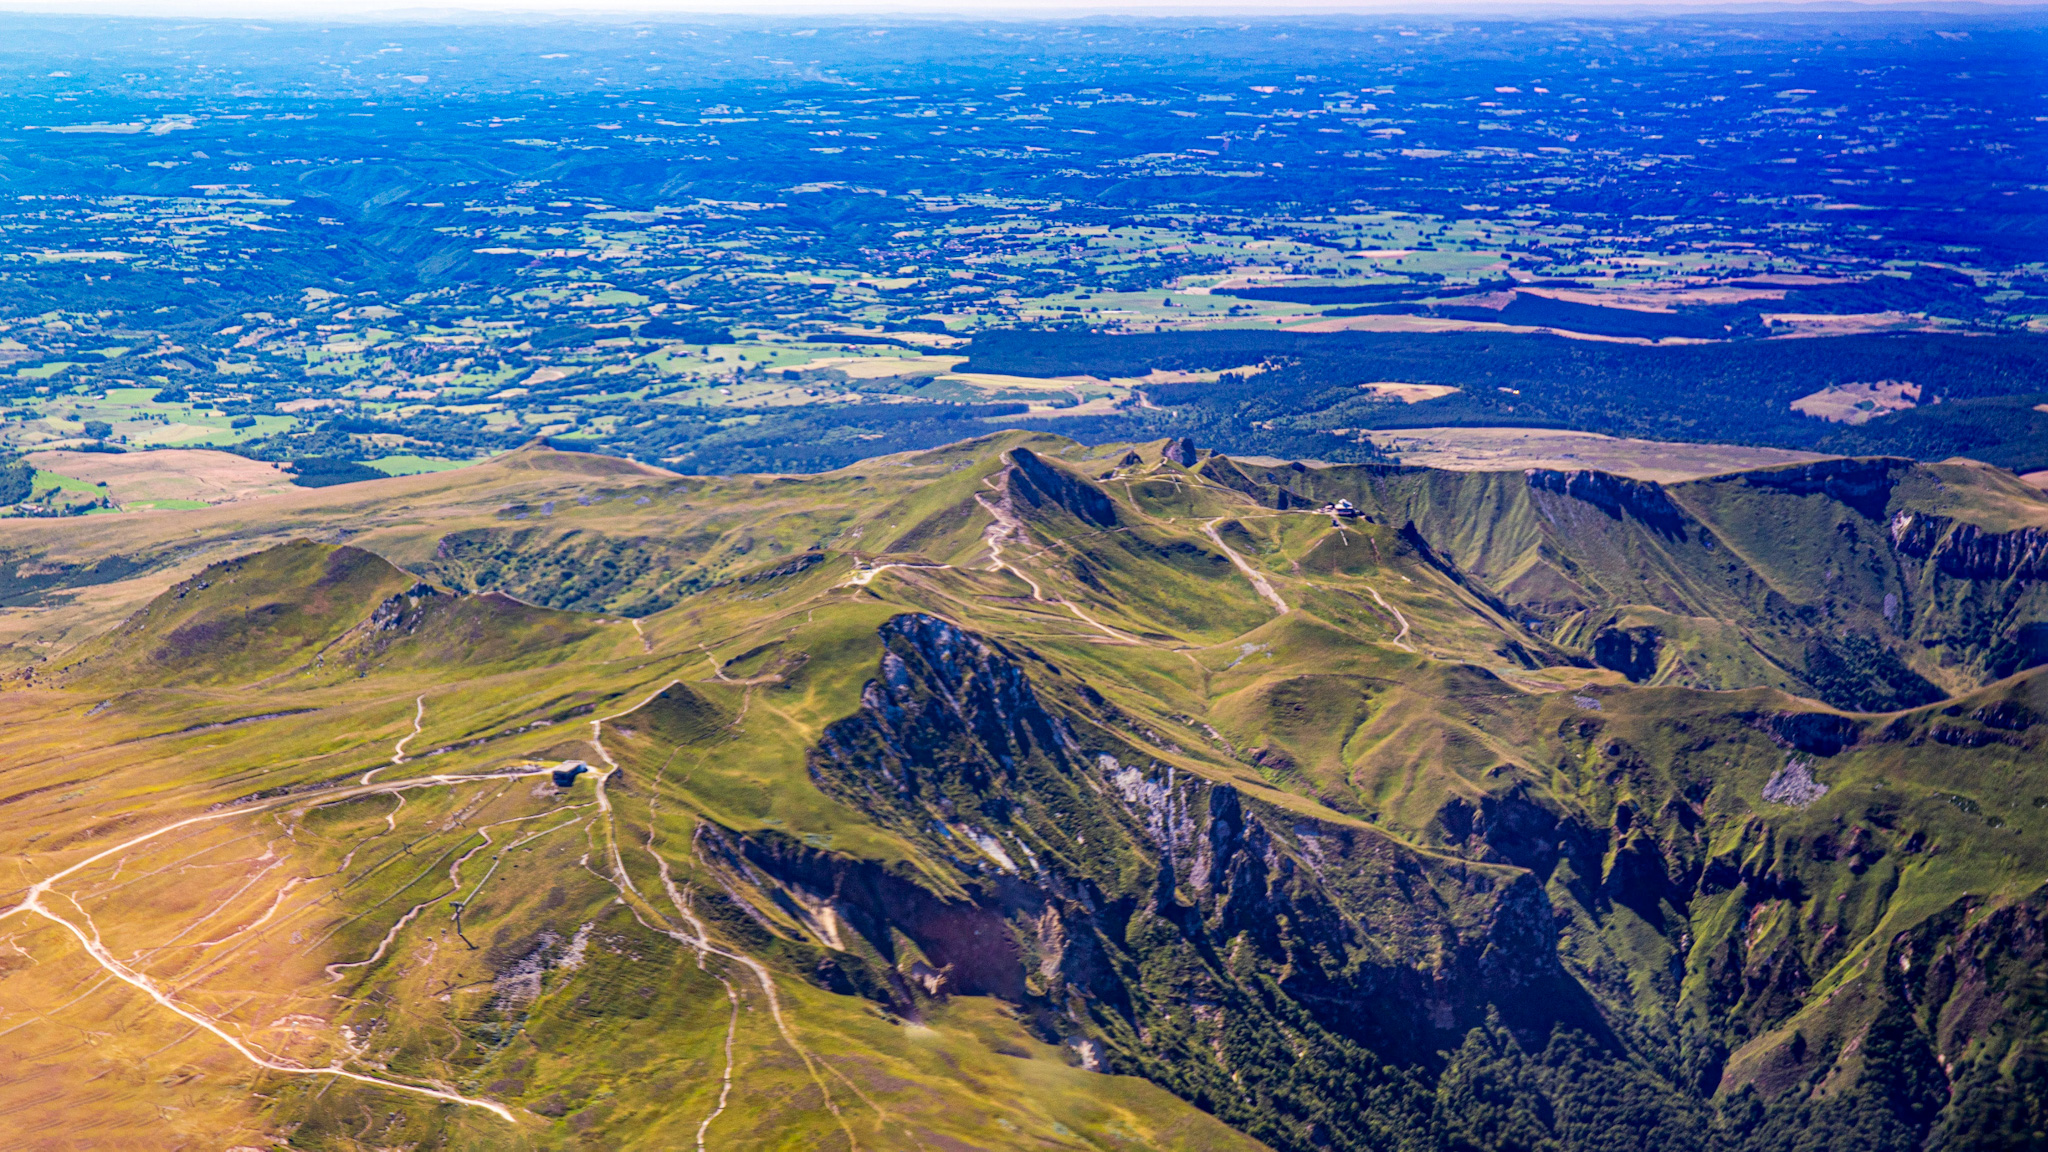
(1751, 578)
(1443, 746)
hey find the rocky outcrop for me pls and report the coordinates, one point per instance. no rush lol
(1618, 496)
(2007, 715)
(1815, 733)
(1137, 906)
(1864, 484)
(1982, 589)
(1272, 492)
(1970, 972)
(1160, 922)
(1968, 552)
(1794, 785)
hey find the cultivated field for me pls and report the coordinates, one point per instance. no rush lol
(1506, 449)
(1407, 393)
(1859, 403)
(170, 477)
(1397, 323)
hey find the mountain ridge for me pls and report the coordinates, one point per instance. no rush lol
(999, 753)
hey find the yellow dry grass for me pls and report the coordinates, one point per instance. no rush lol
(1388, 323)
(1408, 393)
(1859, 403)
(169, 474)
(1512, 449)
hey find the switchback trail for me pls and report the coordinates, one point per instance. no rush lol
(1008, 526)
(1401, 637)
(698, 938)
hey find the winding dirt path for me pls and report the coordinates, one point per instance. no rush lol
(148, 987)
(1401, 637)
(335, 971)
(725, 1088)
(1263, 586)
(862, 576)
(32, 903)
(698, 938)
(419, 717)
(1008, 526)
(455, 870)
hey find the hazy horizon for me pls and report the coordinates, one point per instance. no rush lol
(954, 9)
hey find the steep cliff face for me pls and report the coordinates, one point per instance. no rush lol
(1942, 1050)
(1038, 483)
(1968, 551)
(1983, 992)
(1157, 921)
(1978, 594)
(1629, 651)
(1617, 496)
(1319, 983)
(1328, 870)
(1834, 579)
(956, 747)
(1864, 484)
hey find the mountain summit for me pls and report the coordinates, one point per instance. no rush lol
(1025, 794)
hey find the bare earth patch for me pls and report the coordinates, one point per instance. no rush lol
(196, 474)
(1408, 393)
(877, 367)
(1512, 449)
(1397, 323)
(1175, 376)
(1850, 323)
(1859, 403)
(550, 375)
(1656, 299)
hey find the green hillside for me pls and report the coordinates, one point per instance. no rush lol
(1021, 794)
(1871, 584)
